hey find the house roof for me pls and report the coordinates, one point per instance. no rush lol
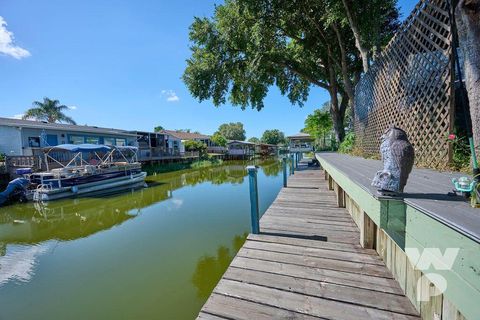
(268, 144)
(61, 127)
(300, 135)
(241, 142)
(185, 135)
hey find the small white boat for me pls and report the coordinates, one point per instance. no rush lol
(108, 168)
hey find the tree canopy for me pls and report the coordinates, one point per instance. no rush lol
(250, 45)
(193, 145)
(218, 139)
(48, 110)
(254, 140)
(232, 131)
(158, 128)
(274, 136)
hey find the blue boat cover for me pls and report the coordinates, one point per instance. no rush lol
(125, 147)
(80, 147)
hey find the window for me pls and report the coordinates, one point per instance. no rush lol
(34, 142)
(92, 140)
(76, 139)
(121, 142)
(109, 141)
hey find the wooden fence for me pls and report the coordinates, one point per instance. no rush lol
(411, 85)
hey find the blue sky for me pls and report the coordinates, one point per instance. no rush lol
(118, 64)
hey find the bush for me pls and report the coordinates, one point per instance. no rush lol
(192, 145)
(348, 143)
(461, 152)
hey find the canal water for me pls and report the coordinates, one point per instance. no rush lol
(154, 253)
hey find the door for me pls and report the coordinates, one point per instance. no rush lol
(52, 139)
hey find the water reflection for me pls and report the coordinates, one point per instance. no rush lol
(210, 269)
(19, 264)
(132, 255)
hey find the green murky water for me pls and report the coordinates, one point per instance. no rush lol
(154, 253)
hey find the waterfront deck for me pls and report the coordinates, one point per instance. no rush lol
(307, 264)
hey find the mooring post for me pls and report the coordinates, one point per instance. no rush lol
(284, 162)
(255, 217)
(297, 159)
(292, 164)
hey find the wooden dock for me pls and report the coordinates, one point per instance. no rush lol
(307, 264)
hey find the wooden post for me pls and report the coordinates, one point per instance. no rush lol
(254, 214)
(284, 163)
(340, 196)
(368, 234)
(330, 183)
(292, 167)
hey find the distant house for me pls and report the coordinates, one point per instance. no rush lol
(157, 145)
(186, 136)
(300, 142)
(266, 149)
(241, 149)
(190, 136)
(23, 137)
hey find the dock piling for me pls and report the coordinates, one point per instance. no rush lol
(254, 211)
(284, 163)
(292, 165)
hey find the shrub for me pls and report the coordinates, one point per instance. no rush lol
(348, 143)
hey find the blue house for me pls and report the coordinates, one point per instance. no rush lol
(23, 137)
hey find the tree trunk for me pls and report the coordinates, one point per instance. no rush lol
(467, 15)
(335, 110)
(338, 126)
(356, 33)
(347, 81)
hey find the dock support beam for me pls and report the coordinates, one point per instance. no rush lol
(254, 211)
(292, 166)
(284, 164)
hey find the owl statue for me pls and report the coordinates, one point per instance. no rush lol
(397, 156)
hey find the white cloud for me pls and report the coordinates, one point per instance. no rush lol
(72, 107)
(170, 95)
(20, 263)
(7, 43)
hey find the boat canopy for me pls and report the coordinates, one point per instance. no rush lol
(79, 147)
(133, 148)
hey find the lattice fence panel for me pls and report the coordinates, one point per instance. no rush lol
(411, 85)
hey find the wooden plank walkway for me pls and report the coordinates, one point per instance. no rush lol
(307, 264)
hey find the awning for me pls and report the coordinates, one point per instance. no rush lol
(133, 148)
(85, 147)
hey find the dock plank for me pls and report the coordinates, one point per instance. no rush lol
(307, 263)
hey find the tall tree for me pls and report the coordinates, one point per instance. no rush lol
(48, 110)
(250, 45)
(158, 128)
(467, 16)
(232, 131)
(219, 140)
(372, 23)
(318, 125)
(274, 136)
(254, 140)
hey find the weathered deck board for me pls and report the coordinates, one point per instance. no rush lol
(426, 190)
(283, 274)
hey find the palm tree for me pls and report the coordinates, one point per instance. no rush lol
(48, 110)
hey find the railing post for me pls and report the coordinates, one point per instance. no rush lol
(292, 165)
(284, 162)
(254, 214)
